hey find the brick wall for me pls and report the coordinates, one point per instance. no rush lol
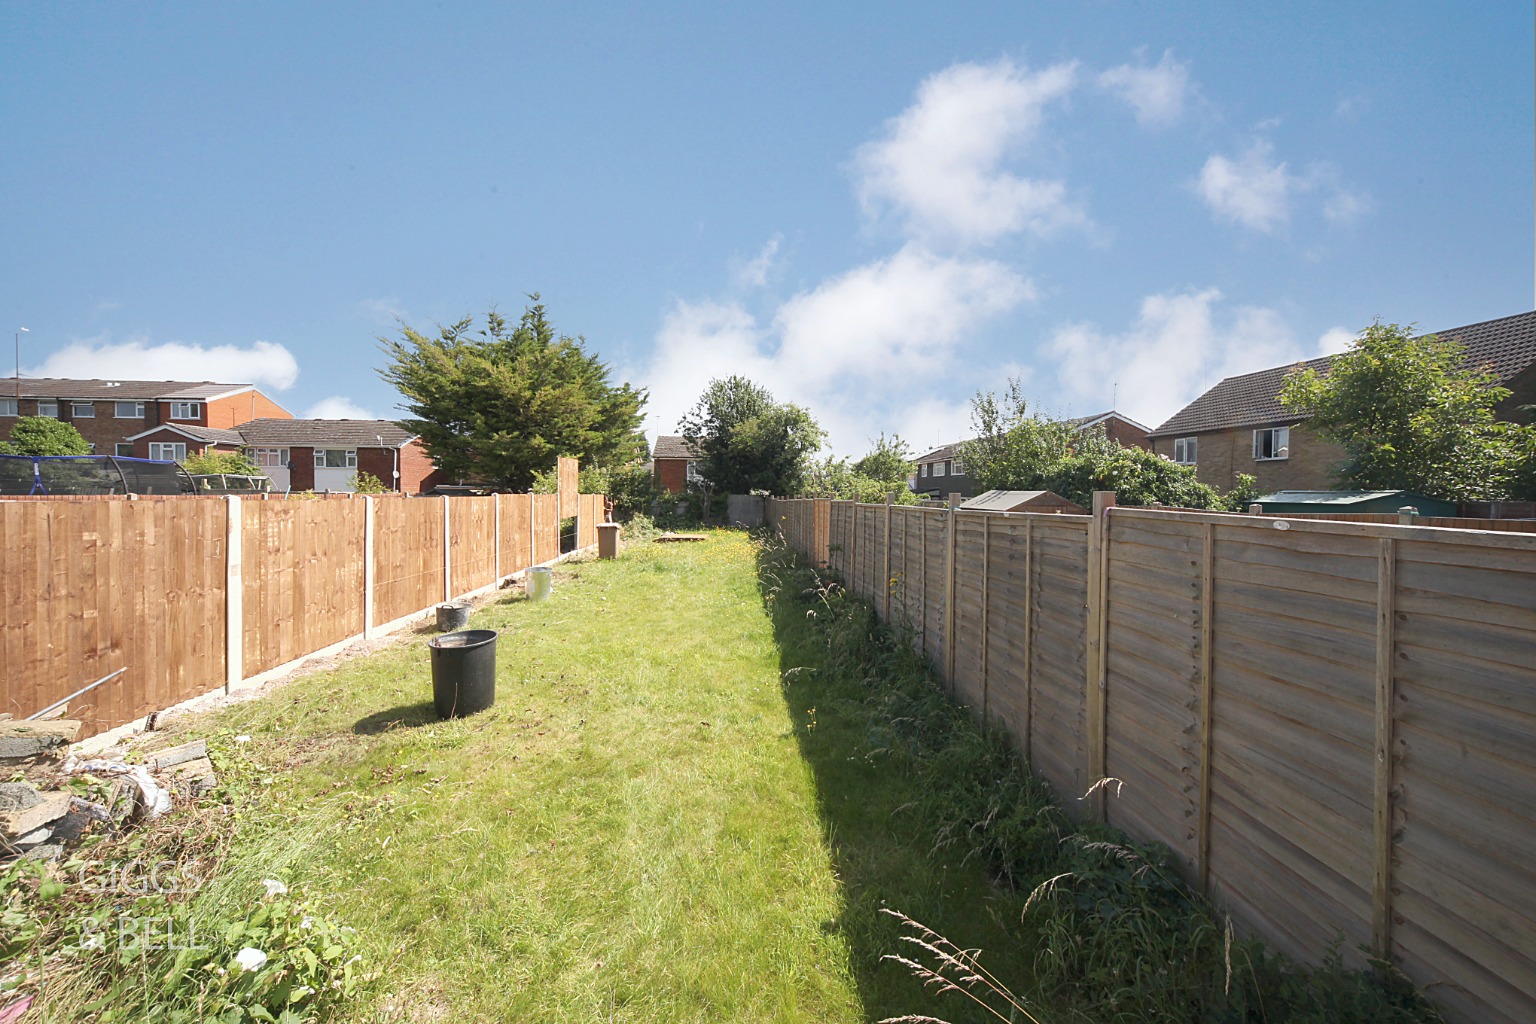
(672, 475)
(1122, 432)
(417, 473)
(230, 412)
(1224, 454)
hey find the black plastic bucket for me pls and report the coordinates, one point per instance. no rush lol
(463, 672)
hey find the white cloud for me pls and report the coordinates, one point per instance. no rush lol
(1336, 340)
(261, 363)
(386, 311)
(939, 165)
(1253, 190)
(1344, 207)
(754, 273)
(338, 407)
(894, 319)
(860, 350)
(1157, 94)
(1180, 345)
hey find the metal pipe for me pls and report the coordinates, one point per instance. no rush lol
(77, 693)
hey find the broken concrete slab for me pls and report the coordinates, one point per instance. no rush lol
(18, 796)
(172, 756)
(21, 740)
(50, 808)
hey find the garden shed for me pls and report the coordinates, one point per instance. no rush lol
(1389, 502)
(1024, 501)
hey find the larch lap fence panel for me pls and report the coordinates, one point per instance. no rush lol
(92, 587)
(408, 555)
(1331, 724)
(302, 568)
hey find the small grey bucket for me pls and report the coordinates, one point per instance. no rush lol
(539, 583)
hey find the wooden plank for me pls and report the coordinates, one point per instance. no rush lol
(1207, 695)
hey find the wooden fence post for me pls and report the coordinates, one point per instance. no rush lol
(949, 598)
(1207, 713)
(1095, 696)
(1381, 881)
(922, 593)
(234, 594)
(1029, 638)
(986, 614)
(496, 534)
(885, 579)
(369, 572)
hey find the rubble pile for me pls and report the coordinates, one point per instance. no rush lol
(42, 811)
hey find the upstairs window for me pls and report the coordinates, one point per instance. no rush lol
(940, 468)
(335, 458)
(957, 467)
(8, 407)
(128, 410)
(82, 410)
(48, 407)
(694, 476)
(1186, 450)
(923, 469)
(186, 410)
(1272, 443)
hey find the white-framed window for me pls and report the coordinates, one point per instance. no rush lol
(274, 458)
(170, 451)
(125, 450)
(9, 407)
(694, 476)
(335, 458)
(923, 470)
(957, 467)
(128, 410)
(48, 407)
(186, 410)
(82, 410)
(1186, 450)
(938, 468)
(1272, 443)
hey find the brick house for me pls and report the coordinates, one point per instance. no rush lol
(110, 412)
(1239, 426)
(674, 464)
(941, 472)
(326, 455)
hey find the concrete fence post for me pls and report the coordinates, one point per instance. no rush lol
(369, 571)
(447, 554)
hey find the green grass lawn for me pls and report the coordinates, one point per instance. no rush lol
(649, 825)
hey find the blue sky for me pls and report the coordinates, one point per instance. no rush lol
(873, 209)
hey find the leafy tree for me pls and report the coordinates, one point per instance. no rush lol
(1016, 449)
(1410, 414)
(367, 483)
(44, 435)
(232, 463)
(1013, 448)
(501, 403)
(885, 470)
(748, 442)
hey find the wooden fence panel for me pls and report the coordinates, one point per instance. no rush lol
(906, 572)
(935, 587)
(472, 542)
(1004, 642)
(546, 527)
(515, 537)
(1293, 664)
(1463, 889)
(407, 556)
(92, 587)
(302, 572)
(967, 661)
(1058, 653)
(1153, 660)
